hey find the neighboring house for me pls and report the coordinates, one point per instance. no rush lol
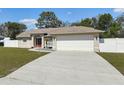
(65, 38)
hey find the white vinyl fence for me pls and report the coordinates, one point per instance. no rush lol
(111, 45)
(10, 43)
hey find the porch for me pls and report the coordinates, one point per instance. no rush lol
(44, 42)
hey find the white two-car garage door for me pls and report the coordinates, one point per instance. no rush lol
(75, 42)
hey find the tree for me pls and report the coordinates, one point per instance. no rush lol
(11, 29)
(76, 24)
(113, 31)
(48, 19)
(120, 19)
(3, 30)
(94, 22)
(105, 21)
(86, 22)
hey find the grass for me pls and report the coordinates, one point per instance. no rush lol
(13, 58)
(116, 59)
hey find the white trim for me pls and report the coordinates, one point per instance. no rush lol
(42, 43)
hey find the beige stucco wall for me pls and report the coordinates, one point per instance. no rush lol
(84, 42)
(26, 44)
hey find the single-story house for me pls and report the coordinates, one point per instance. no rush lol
(64, 38)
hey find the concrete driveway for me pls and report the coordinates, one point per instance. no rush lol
(62, 67)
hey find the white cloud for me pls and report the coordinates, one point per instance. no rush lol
(28, 21)
(69, 13)
(119, 10)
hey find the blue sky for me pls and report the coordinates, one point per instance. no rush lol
(29, 16)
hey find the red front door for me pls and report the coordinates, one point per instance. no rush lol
(38, 42)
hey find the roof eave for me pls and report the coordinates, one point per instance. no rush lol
(75, 33)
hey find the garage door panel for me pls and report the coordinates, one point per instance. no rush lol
(73, 42)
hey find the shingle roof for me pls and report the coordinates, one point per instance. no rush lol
(61, 30)
(24, 34)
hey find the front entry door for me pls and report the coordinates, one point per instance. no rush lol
(38, 42)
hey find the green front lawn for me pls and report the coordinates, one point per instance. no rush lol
(116, 59)
(13, 58)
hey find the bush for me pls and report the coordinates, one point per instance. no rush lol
(1, 44)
